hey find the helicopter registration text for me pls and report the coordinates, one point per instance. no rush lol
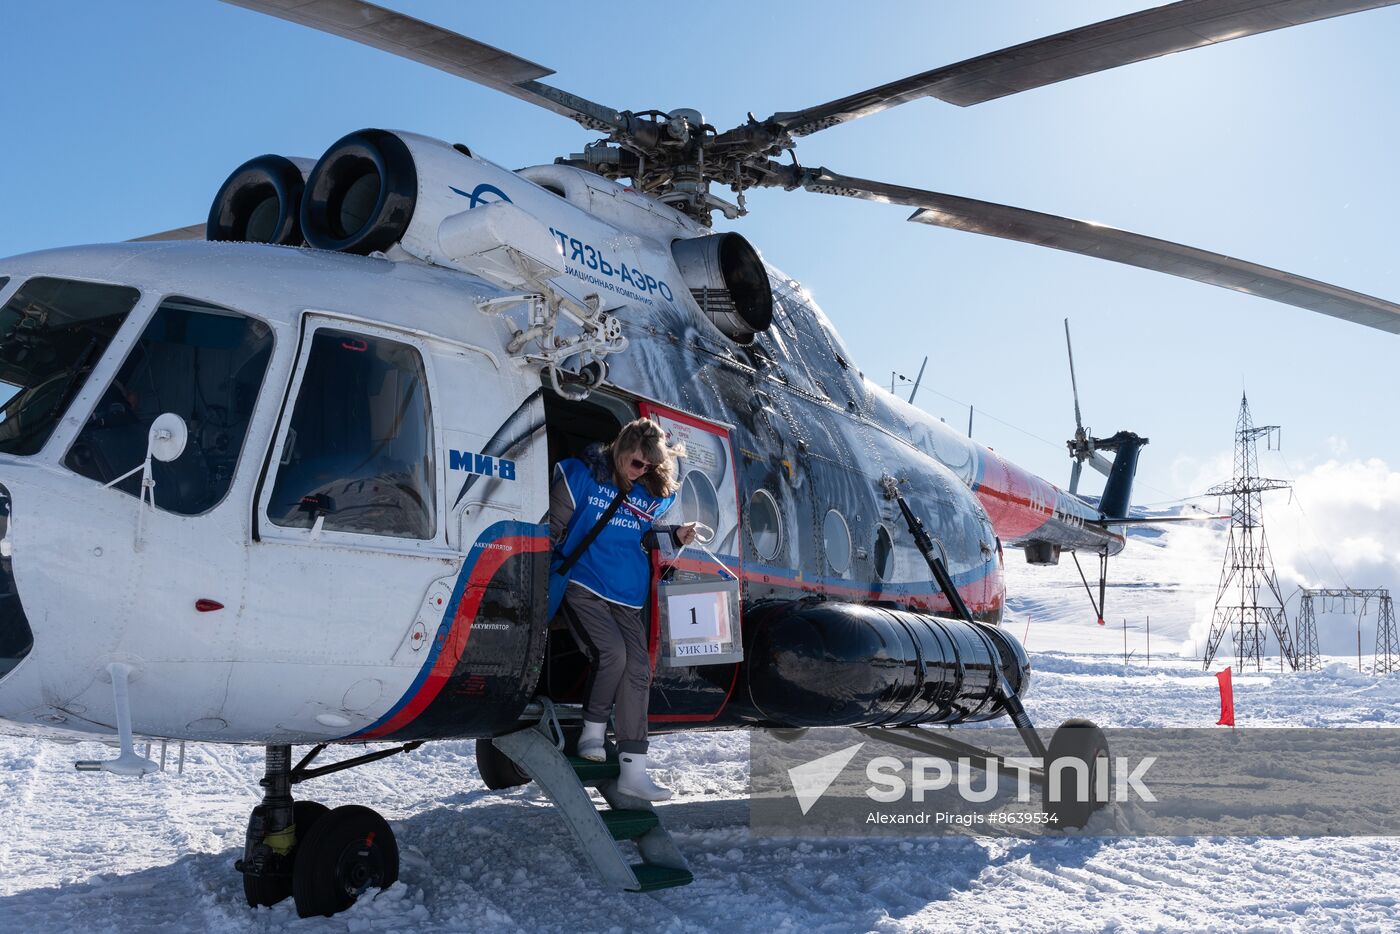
(483, 464)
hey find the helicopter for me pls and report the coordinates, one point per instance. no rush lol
(297, 456)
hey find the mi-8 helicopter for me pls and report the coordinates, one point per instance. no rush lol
(306, 483)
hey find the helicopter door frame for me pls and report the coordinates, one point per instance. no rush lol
(264, 529)
(713, 463)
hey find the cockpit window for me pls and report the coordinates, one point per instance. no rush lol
(359, 449)
(52, 333)
(205, 364)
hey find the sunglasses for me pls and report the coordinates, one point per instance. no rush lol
(642, 465)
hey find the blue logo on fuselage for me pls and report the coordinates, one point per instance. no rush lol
(483, 464)
(475, 196)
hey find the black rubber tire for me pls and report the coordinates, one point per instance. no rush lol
(1082, 740)
(269, 890)
(496, 768)
(265, 891)
(307, 814)
(347, 852)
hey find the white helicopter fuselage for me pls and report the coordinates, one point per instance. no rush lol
(238, 627)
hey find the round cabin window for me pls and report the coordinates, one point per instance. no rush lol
(836, 535)
(699, 501)
(765, 532)
(884, 554)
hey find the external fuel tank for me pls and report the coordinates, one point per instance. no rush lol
(824, 663)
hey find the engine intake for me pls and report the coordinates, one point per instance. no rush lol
(260, 202)
(849, 664)
(361, 195)
(727, 279)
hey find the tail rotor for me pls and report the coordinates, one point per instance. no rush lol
(1085, 448)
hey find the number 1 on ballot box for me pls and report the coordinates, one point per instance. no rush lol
(699, 616)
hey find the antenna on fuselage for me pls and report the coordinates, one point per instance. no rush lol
(917, 380)
(901, 378)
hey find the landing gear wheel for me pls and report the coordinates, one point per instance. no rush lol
(269, 890)
(1080, 740)
(496, 768)
(307, 814)
(266, 891)
(348, 851)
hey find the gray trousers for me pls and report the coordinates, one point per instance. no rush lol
(620, 679)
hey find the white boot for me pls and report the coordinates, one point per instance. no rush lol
(634, 780)
(590, 743)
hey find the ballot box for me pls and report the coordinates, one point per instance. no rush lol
(699, 622)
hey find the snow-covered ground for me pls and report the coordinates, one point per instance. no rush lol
(97, 852)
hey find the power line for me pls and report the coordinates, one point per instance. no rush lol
(1248, 567)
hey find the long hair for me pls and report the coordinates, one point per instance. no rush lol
(646, 436)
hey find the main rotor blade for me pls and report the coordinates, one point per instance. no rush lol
(1090, 239)
(443, 49)
(1176, 27)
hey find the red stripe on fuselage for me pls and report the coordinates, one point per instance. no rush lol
(981, 596)
(460, 631)
(1017, 502)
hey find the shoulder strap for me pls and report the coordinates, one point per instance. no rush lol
(593, 532)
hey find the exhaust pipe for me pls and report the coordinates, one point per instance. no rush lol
(361, 195)
(260, 202)
(727, 279)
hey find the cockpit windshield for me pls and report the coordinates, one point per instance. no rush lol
(52, 333)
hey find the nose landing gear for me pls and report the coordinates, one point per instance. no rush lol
(269, 884)
(325, 859)
(269, 848)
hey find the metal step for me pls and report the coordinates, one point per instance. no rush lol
(651, 877)
(594, 773)
(629, 824)
(564, 779)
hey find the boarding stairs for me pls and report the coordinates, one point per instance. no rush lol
(602, 829)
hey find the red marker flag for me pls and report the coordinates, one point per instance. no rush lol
(1227, 699)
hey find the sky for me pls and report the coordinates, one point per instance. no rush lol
(125, 118)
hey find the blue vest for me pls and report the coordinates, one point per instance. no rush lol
(615, 566)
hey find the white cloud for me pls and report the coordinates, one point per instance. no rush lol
(1200, 474)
